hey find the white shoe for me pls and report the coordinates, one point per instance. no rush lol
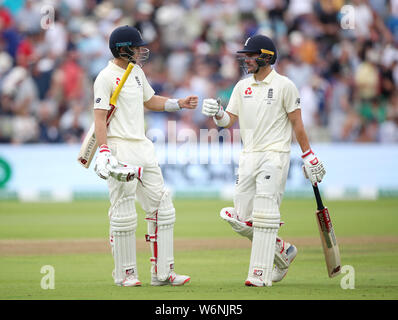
(288, 254)
(130, 281)
(173, 280)
(257, 282)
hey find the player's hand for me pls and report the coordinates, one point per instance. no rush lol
(125, 173)
(190, 102)
(211, 108)
(104, 162)
(313, 168)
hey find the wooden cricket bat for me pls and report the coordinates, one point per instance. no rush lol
(328, 238)
(89, 145)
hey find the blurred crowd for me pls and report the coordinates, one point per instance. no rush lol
(342, 55)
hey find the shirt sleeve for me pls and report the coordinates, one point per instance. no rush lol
(102, 92)
(235, 101)
(148, 90)
(291, 97)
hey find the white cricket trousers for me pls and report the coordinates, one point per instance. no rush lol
(254, 177)
(137, 153)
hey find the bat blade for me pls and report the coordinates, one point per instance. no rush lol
(329, 242)
(88, 148)
(328, 238)
(89, 145)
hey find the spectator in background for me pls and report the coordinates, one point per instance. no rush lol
(29, 17)
(48, 124)
(389, 128)
(349, 104)
(339, 105)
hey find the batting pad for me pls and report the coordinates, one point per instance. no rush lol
(262, 254)
(123, 221)
(266, 221)
(243, 228)
(161, 230)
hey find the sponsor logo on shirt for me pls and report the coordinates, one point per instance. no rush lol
(248, 93)
(117, 81)
(138, 81)
(98, 100)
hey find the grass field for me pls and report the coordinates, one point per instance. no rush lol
(72, 237)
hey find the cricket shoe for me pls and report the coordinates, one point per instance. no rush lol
(129, 281)
(257, 282)
(173, 280)
(284, 256)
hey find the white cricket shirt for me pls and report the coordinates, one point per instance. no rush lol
(128, 121)
(262, 108)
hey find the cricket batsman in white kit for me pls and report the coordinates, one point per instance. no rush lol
(267, 105)
(124, 141)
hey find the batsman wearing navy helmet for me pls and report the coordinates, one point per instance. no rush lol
(124, 141)
(267, 106)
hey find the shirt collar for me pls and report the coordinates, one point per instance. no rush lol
(115, 66)
(267, 79)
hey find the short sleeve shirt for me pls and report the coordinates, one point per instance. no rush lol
(128, 120)
(262, 108)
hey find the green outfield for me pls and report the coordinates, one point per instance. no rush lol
(71, 237)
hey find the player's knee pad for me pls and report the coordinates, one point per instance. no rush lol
(266, 212)
(160, 235)
(123, 224)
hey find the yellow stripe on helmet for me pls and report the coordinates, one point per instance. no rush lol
(267, 51)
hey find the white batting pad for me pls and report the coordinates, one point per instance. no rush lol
(123, 221)
(266, 220)
(243, 228)
(161, 229)
(262, 254)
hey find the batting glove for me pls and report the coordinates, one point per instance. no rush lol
(124, 173)
(313, 167)
(104, 162)
(211, 108)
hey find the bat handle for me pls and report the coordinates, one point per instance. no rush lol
(318, 197)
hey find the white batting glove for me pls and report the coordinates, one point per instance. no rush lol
(211, 108)
(104, 162)
(125, 173)
(313, 167)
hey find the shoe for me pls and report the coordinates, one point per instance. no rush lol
(130, 281)
(173, 280)
(288, 254)
(256, 282)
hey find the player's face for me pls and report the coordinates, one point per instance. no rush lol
(250, 61)
(139, 54)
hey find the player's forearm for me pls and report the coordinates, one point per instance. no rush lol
(299, 131)
(100, 126)
(156, 103)
(302, 138)
(231, 119)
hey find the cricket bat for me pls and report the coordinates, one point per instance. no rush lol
(328, 238)
(89, 145)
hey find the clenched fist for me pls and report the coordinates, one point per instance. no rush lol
(211, 108)
(190, 102)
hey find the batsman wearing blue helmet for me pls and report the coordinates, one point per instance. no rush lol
(124, 141)
(267, 106)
